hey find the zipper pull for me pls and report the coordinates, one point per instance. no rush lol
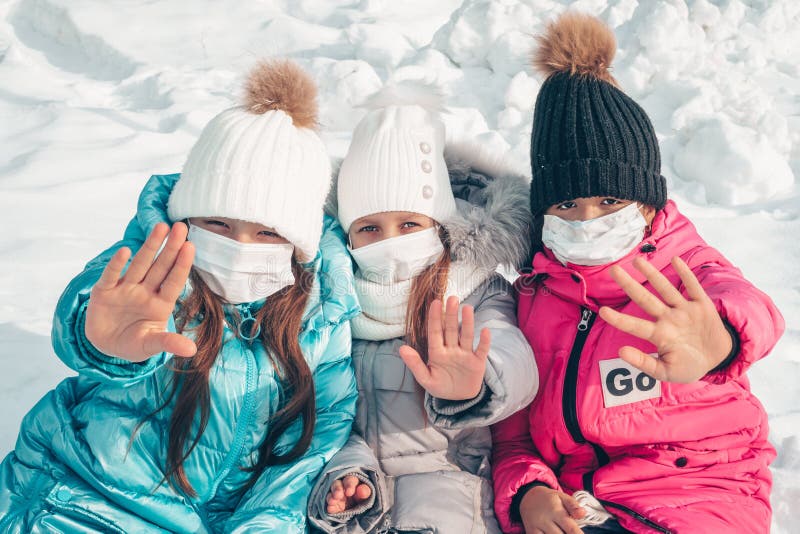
(586, 314)
(247, 324)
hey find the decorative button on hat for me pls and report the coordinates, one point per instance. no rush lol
(396, 158)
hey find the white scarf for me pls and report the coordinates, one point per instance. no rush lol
(384, 306)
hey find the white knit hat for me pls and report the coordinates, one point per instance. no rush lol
(396, 158)
(262, 162)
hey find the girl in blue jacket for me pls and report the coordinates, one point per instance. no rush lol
(214, 376)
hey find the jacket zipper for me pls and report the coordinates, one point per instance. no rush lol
(244, 420)
(570, 392)
(570, 409)
(636, 515)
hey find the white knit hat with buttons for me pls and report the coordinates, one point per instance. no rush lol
(396, 158)
(262, 162)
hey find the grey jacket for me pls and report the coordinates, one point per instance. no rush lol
(427, 459)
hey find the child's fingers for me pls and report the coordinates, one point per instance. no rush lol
(166, 259)
(467, 339)
(641, 328)
(550, 527)
(668, 292)
(330, 498)
(180, 345)
(637, 292)
(415, 364)
(435, 334)
(644, 362)
(334, 505)
(350, 484)
(572, 506)
(451, 322)
(567, 525)
(363, 492)
(175, 281)
(171, 342)
(144, 257)
(337, 490)
(485, 342)
(111, 274)
(693, 287)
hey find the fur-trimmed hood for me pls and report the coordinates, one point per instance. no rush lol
(492, 226)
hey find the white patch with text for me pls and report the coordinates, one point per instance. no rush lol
(624, 384)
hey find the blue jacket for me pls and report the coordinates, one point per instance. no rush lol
(76, 468)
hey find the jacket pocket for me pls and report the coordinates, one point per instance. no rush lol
(76, 507)
(443, 502)
(391, 374)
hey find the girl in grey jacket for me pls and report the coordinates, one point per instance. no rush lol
(436, 351)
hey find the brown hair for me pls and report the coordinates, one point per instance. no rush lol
(279, 320)
(428, 286)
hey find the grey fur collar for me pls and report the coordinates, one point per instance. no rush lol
(492, 226)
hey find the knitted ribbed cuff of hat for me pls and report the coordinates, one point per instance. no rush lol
(581, 178)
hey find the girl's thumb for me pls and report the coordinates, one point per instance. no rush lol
(573, 507)
(170, 342)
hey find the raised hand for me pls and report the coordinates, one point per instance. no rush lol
(545, 510)
(127, 317)
(688, 334)
(455, 369)
(346, 493)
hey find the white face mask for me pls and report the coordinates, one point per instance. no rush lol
(597, 241)
(398, 258)
(241, 272)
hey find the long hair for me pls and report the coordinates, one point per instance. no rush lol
(280, 319)
(536, 238)
(428, 286)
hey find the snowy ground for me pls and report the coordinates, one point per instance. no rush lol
(96, 96)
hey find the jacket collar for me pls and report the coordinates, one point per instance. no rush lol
(672, 235)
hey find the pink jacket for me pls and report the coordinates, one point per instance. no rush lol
(661, 457)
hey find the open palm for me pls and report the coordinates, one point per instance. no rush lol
(455, 369)
(688, 333)
(127, 316)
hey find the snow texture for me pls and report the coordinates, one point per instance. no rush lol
(97, 96)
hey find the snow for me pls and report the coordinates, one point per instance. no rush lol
(97, 96)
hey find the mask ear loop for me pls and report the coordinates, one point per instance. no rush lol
(648, 229)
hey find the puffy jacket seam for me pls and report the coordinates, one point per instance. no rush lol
(334, 360)
(36, 489)
(646, 409)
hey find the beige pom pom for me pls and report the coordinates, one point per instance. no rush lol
(576, 43)
(283, 85)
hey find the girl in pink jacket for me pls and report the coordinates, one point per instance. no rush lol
(642, 333)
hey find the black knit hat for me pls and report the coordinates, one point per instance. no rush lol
(589, 138)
